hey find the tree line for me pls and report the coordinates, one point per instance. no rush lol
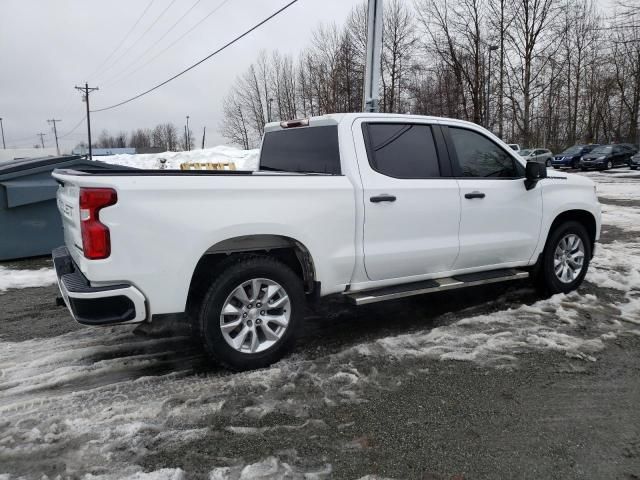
(561, 72)
(165, 136)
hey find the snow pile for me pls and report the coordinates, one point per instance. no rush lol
(243, 159)
(10, 278)
(271, 468)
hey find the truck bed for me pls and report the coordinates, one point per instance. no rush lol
(129, 172)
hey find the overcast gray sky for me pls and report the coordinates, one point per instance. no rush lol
(47, 47)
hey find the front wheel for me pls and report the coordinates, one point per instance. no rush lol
(609, 165)
(251, 312)
(548, 163)
(565, 260)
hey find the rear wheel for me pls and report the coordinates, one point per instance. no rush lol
(565, 260)
(574, 164)
(548, 162)
(609, 165)
(250, 313)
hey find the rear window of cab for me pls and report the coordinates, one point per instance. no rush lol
(301, 150)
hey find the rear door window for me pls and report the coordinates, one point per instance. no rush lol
(301, 150)
(402, 150)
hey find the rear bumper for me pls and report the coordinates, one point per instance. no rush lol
(104, 305)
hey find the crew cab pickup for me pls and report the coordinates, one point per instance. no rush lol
(369, 206)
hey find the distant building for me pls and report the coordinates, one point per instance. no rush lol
(104, 152)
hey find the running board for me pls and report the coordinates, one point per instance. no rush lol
(437, 285)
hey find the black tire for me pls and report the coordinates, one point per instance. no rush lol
(556, 167)
(548, 162)
(234, 273)
(583, 169)
(633, 168)
(574, 164)
(608, 165)
(544, 276)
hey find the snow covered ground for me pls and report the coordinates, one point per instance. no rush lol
(243, 159)
(98, 403)
(24, 278)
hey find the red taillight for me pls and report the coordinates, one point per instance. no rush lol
(96, 242)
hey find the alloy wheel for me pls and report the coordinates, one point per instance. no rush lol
(255, 315)
(568, 258)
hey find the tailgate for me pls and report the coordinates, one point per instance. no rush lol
(68, 198)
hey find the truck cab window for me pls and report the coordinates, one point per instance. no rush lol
(480, 157)
(304, 150)
(402, 150)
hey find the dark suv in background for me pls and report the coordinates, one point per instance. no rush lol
(605, 157)
(570, 158)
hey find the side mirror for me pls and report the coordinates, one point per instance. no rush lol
(534, 171)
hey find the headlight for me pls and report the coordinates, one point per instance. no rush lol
(601, 158)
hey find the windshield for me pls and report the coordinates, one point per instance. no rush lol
(572, 151)
(301, 150)
(526, 152)
(601, 150)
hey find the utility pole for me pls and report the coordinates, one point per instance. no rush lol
(188, 135)
(371, 97)
(4, 146)
(87, 90)
(55, 132)
(41, 135)
(269, 107)
(204, 133)
(487, 116)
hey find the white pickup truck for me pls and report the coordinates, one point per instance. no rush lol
(370, 206)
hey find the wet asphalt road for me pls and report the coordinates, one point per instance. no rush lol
(548, 415)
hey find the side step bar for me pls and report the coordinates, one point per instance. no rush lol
(437, 285)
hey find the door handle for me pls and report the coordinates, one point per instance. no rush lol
(474, 195)
(385, 197)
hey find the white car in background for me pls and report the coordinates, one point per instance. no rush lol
(540, 155)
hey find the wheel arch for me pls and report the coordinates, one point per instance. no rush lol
(288, 250)
(584, 217)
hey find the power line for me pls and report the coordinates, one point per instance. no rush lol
(162, 37)
(227, 45)
(128, 49)
(220, 5)
(123, 39)
(73, 129)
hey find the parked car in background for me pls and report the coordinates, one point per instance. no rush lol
(634, 163)
(514, 146)
(605, 157)
(540, 155)
(570, 158)
(631, 147)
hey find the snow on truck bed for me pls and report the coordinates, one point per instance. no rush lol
(243, 159)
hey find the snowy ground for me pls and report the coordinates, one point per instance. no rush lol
(488, 383)
(243, 159)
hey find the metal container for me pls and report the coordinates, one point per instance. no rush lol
(30, 224)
